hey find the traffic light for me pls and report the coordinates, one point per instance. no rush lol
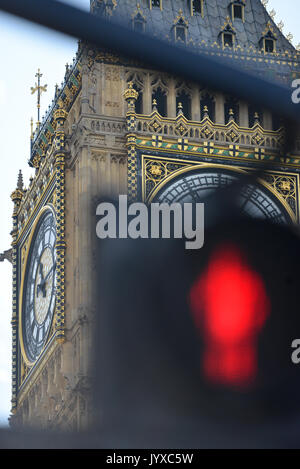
(230, 306)
(186, 337)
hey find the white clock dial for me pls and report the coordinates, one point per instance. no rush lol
(254, 200)
(39, 289)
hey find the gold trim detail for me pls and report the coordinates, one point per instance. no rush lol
(158, 171)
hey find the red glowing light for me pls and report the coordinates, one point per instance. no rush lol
(230, 306)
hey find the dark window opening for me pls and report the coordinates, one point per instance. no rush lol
(155, 3)
(161, 101)
(180, 33)
(228, 39)
(269, 45)
(276, 122)
(231, 109)
(197, 7)
(207, 102)
(255, 115)
(185, 101)
(237, 12)
(139, 101)
(138, 26)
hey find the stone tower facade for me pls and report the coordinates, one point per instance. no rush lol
(117, 127)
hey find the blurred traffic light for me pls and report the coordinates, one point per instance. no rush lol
(230, 306)
(191, 336)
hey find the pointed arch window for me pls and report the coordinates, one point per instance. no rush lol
(232, 110)
(185, 99)
(268, 40)
(160, 97)
(207, 107)
(180, 28)
(180, 32)
(255, 116)
(269, 44)
(227, 35)
(196, 7)
(139, 23)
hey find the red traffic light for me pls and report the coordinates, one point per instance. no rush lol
(230, 306)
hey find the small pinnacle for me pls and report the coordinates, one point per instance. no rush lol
(179, 109)
(256, 117)
(20, 181)
(205, 110)
(231, 114)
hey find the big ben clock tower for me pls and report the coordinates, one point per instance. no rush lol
(117, 127)
(38, 255)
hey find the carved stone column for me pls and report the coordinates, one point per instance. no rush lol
(195, 104)
(171, 99)
(60, 116)
(220, 112)
(244, 114)
(267, 120)
(16, 197)
(131, 96)
(85, 87)
(147, 95)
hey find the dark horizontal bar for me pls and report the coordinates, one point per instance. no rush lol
(179, 61)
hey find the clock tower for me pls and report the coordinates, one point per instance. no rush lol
(117, 127)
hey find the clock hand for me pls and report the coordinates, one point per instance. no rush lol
(41, 284)
(52, 268)
(41, 272)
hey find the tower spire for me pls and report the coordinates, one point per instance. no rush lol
(39, 89)
(20, 181)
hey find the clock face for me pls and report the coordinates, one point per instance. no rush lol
(39, 287)
(254, 200)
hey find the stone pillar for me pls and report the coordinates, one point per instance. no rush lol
(195, 104)
(16, 197)
(85, 87)
(131, 96)
(86, 301)
(171, 99)
(267, 121)
(98, 97)
(244, 114)
(147, 95)
(220, 111)
(60, 116)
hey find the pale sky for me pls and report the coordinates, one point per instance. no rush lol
(24, 49)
